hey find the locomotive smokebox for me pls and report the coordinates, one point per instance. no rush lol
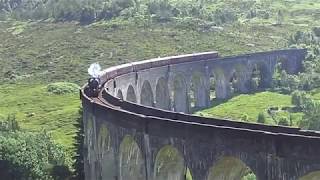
(94, 83)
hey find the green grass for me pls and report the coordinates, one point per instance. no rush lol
(249, 104)
(36, 109)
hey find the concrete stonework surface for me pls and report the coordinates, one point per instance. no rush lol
(138, 128)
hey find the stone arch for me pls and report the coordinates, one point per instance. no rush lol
(212, 84)
(197, 92)
(311, 176)
(234, 82)
(169, 165)
(131, 95)
(131, 160)
(162, 94)
(119, 94)
(229, 168)
(146, 95)
(241, 78)
(260, 76)
(221, 84)
(282, 63)
(180, 94)
(280, 70)
(106, 154)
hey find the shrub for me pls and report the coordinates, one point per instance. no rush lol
(297, 98)
(245, 118)
(162, 10)
(283, 121)
(62, 88)
(225, 15)
(312, 115)
(87, 15)
(261, 118)
(250, 176)
(316, 31)
(10, 124)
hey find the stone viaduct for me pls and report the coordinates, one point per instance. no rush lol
(140, 127)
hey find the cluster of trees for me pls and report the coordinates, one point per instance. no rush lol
(87, 11)
(303, 102)
(282, 121)
(26, 155)
(34, 155)
(310, 108)
(288, 83)
(309, 78)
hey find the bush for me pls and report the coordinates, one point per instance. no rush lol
(225, 15)
(161, 10)
(245, 118)
(250, 176)
(297, 98)
(316, 31)
(261, 118)
(62, 88)
(87, 15)
(312, 115)
(10, 124)
(283, 121)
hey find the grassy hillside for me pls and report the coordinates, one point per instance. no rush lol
(45, 52)
(251, 105)
(36, 109)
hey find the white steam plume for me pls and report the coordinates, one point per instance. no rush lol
(94, 70)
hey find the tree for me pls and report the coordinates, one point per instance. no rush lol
(79, 144)
(311, 119)
(311, 110)
(10, 124)
(280, 17)
(261, 118)
(26, 155)
(87, 15)
(297, 98)
(316, 31)
(284, 79)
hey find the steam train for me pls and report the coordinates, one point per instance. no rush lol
(93, 87)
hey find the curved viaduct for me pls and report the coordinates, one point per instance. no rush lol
(138, 128)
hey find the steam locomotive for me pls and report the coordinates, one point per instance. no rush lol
(93, 87)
